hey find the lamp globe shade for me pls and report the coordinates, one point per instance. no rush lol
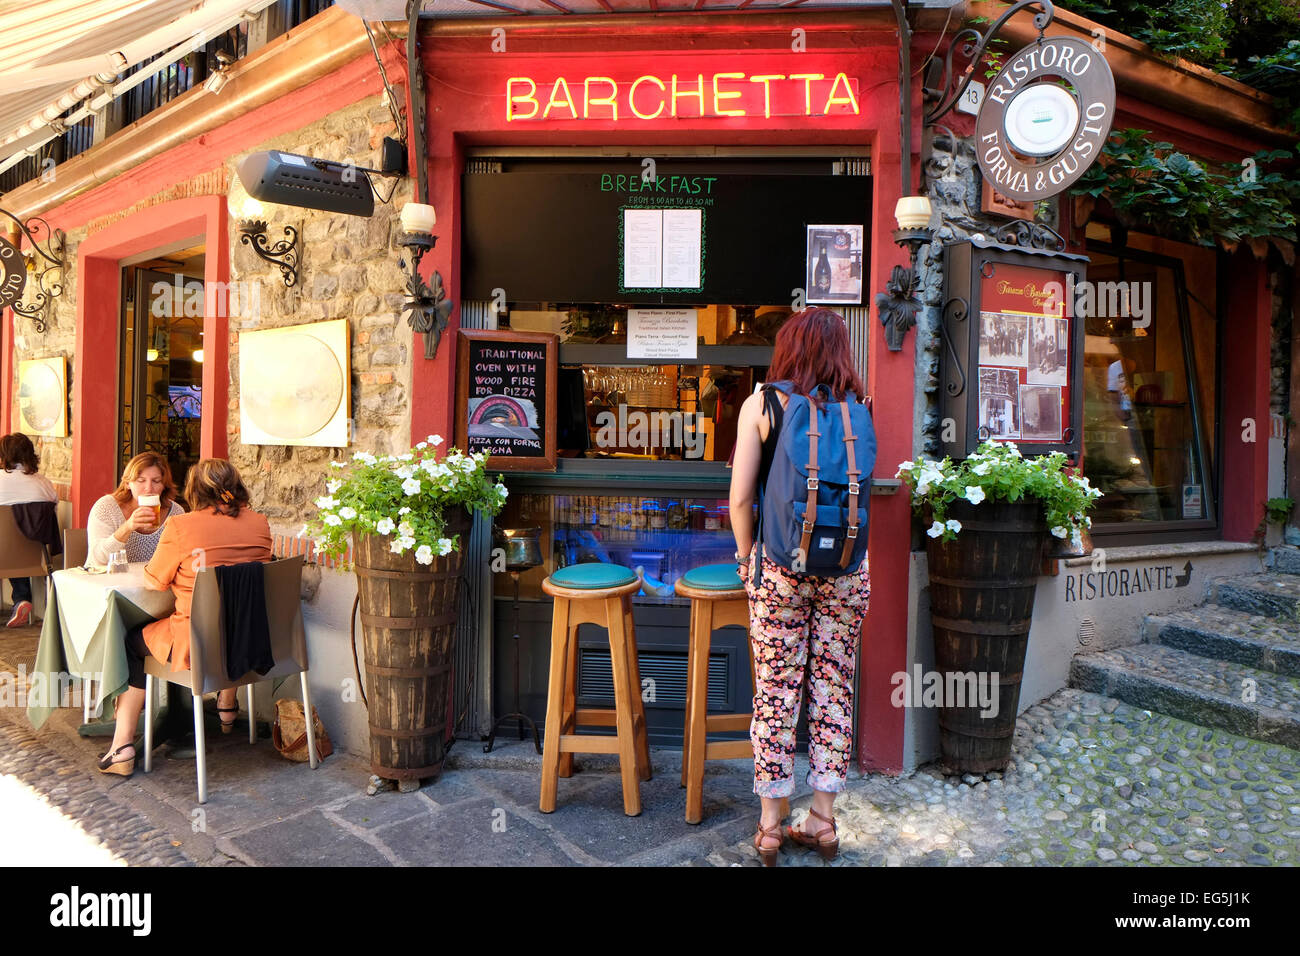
(242, 206)
(912, 212)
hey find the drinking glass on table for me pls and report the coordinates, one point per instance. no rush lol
(117, 563)
(154, 502)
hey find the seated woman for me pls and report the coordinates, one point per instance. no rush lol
(119, 523)
(20, 484)
(222, 529)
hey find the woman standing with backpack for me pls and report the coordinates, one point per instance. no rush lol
(804, 446)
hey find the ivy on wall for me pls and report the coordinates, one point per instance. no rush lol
(1153, 187)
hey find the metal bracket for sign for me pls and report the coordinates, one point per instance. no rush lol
(959, 309)
(973, 44)
(46, 289)
(1030, 235)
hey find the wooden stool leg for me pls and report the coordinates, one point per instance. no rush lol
(691, 652)
(638, 700)
(568, 722)
(701, 641)
(554, 704)
(622, 706)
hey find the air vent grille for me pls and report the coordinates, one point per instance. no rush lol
(666, 668)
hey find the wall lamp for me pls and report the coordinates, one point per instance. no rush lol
(427, 308)
(250, 219)
(898, 305)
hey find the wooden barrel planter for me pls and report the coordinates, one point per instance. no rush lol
(982, 588)
(408, 619)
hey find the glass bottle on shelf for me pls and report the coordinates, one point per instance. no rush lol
(745, 334)
(676, 514)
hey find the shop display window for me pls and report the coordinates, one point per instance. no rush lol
(1149, 377)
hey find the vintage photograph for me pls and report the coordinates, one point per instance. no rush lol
(1040, 410)
(1049, 346)
(1003, 339)
(1000, 402)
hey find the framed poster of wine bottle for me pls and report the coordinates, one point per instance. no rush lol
(834, 265)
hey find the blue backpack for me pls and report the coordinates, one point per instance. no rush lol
(813, 507)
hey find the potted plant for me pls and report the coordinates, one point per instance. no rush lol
(405, 516)
(989, 520)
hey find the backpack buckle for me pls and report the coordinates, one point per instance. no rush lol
(855, 488)
(812, 484)
(807, 527)
(852, 532)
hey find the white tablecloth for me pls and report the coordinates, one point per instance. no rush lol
(84, 596)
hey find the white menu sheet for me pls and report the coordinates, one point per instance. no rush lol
(662, 248)
(643, 248)
(662, 333)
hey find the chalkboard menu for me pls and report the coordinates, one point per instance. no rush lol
(505, 397)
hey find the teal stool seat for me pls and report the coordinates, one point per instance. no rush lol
(592, 576)
(714, 577)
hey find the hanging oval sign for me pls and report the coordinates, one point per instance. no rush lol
(13, 273)
(1045, 118)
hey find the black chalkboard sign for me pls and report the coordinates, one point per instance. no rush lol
(505, 397)
(553, 232)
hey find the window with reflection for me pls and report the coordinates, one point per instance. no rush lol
(1149, 402)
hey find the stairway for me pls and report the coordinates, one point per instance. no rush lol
(1231, 663)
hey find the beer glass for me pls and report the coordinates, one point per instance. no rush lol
(153, 502)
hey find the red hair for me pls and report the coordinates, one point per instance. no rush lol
(812, 348)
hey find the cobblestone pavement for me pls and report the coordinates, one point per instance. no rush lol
(1093, 782)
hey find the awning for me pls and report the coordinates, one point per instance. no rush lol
(58, 55)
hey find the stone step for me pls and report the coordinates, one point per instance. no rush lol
(1284, 560)
(1266, 643)
(1197, 689)
(1271, 595)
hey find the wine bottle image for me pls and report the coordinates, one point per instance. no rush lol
(822, 273)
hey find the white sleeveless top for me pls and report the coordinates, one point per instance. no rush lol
(105, 518)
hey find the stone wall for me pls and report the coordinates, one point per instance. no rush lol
(349, 269)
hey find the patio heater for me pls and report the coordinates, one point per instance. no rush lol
(523, 550)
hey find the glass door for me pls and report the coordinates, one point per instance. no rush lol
(161, 372)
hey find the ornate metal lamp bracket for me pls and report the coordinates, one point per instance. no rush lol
(972, 44)
(428, 308)
(46, 288)
(283, 253)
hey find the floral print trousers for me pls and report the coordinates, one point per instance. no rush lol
(790, 616)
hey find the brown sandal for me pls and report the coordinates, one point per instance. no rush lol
(828, 850)
(768, 854)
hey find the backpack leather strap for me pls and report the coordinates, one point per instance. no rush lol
(850, 441)
(810, 515)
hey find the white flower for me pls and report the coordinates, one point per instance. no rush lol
(424, 554)
(501, 490)
(397, 546)
(333, 485)
(364, 457)
(1059, 531)
(326, 502)
(423, 444)
(405, 529)
(974, 494)
(403, 511)
(954, 525)
(1087, 522)
(407, 457)
(384, 525)
(407, 542)
(905, 466)
(936, 529)
(435, 440)
(406, 471)
(444, 545)
(982, 468)
(347, 513)
(1076, 539)
(337, 464)
(333, 520)
(411, 486)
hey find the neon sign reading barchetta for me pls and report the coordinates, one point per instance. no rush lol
(651, 97)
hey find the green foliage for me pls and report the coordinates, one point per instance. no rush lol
(1197, 30)
(1277, 510)
(1278, 74)
(403, 497)
(1153, 186)
(997, 471)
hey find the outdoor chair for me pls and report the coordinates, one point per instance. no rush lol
(20, 556)
(76, 547)
(207, 673)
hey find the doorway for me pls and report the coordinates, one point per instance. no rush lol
(160, 374)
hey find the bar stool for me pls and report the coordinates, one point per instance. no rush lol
(717, 600)
(601, 594)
